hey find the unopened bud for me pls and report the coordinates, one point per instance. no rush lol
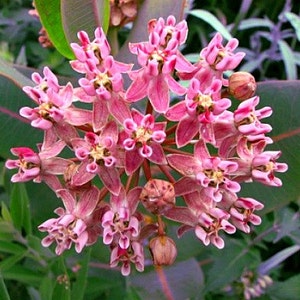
(242, 85)
(158, 196)
(163, 250)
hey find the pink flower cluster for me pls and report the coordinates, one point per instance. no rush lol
(178, 141)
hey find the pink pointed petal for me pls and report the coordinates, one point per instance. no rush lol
(185, 185)
(138, 88)
(158, 155)
(82, 176)
(176, 112)
(186, 130)
(68, 200)
(81, 242)
(133, 198)
(119, 109)
(100, 114)
(53, 150)
(132, 161)
(87, 203)
(52, 181)
(158, 93)
(65, 131)
(174, 86)
(182, 215)
(78, 116)
(110, 178)
(55, 165)
(184, 164)
(110, 131)
(201, 151)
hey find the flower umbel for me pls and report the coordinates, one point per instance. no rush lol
(140, 145)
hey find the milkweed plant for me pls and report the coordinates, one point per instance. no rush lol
(133, 148)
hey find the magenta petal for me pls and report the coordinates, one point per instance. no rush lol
(88, 202)
(110, 178)
(100, 114)
(82, 176)
(119, 109)
(68, 199)
(158, 156)
(186, 130)
(138, 88)
(176, 112)
(184, 164)
(132, 161)
(158, 92)
(185, 185)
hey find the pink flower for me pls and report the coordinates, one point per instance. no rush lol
(51, 106)
(119, 223)
(210, 224)
(97, 50)
(42, 166)
(264, 166)
(134, 254)
(198, 112)
(242, 213)
(141, 139)
(159, 57)
(211, 173)
(72, 225)
(98, 155)
(219, 57)
(247, 118)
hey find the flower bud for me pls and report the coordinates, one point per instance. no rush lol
(158, 196)
(242, 85)
(163, 250)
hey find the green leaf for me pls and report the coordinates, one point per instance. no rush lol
(3, 290)
(283, 97)
(46, 288)
(19, 207)
(86, 15)
(79, 286)
(61, 288)
(5, 213)
(24, 275)
(50, 16)
(295, 22)
(278, 258)
(288, 60)
(286, 290)
(11, 261)
(6, 231)
(11, 247)
(209, 18)
(230, 264)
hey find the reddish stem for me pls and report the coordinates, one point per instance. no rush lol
(146, 169)
(165, 170)
(164, 282)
